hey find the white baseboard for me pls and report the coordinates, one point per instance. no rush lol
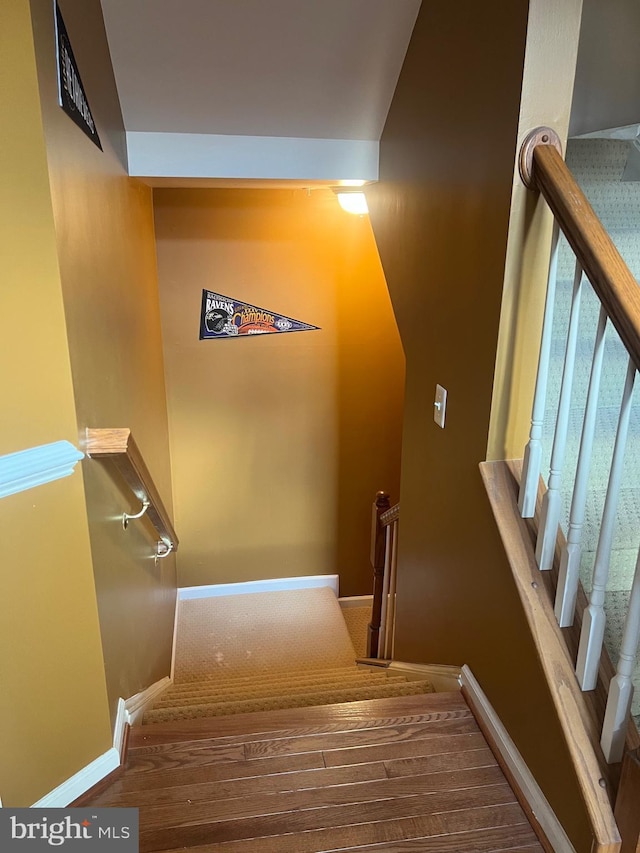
(129, 712)
(136, 705)
(132, 709)
(273, 585)
(356, 601)
(444, 678)
(523, 777)
(80, 782)
(120, 727)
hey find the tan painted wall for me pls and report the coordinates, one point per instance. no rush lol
(552, 46)
(441, 216)
(278, 442)
(51, 669)
(106, 251)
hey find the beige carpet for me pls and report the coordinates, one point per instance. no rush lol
(262, 651)
(357, 620)
(236, 635)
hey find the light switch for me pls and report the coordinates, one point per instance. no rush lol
(440, 405)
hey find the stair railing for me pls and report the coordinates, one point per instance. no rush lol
(597, 261)
(119, 447)
(384, 560)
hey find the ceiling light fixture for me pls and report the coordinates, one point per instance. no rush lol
(352, 200)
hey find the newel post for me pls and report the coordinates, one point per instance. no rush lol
(378, 537)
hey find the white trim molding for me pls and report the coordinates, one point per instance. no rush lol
(120, 727)
(511, 757)
(273, 585)
(37, 465)
(131, 710)
(128, 713)
(136, 705)
(80, 782)
(443, 677)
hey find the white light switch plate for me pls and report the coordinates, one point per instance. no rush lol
(440, 405)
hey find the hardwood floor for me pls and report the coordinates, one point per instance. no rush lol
(402, 774)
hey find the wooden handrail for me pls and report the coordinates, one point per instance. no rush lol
(390, 516)
(118, 446)
(614, 284)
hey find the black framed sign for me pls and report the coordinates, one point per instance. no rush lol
(225, 317)
(71, 94)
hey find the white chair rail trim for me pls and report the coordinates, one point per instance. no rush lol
(37, 465)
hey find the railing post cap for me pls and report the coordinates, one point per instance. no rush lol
(382, 499)
(535, 137)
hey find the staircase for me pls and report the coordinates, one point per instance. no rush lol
(399, 774)
(336, 757)
(265, 651)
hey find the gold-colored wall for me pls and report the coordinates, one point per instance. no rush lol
(106, 255)
(440, 215)
(53, 704)
(278, 442)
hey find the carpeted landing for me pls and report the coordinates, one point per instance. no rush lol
(262, 651)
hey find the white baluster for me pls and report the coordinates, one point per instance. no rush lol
(593, 618)
(391, 608)
(621, 687)
(533, 451)
(551, 503)
(385, 590)
(569, 575)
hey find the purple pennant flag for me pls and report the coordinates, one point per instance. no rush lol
(224, 317)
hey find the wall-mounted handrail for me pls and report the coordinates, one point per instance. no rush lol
(119, 447)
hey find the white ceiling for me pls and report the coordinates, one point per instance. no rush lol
(308, 69)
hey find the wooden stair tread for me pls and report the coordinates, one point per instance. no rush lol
(192, 811)
(313, 818)
(439, 719)
(219, 772)
(391, 708)
(243, 787)
(466, 822)
(438, 753)
(406, 774)
(194, 753)
(516, 838)
(418, 747)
